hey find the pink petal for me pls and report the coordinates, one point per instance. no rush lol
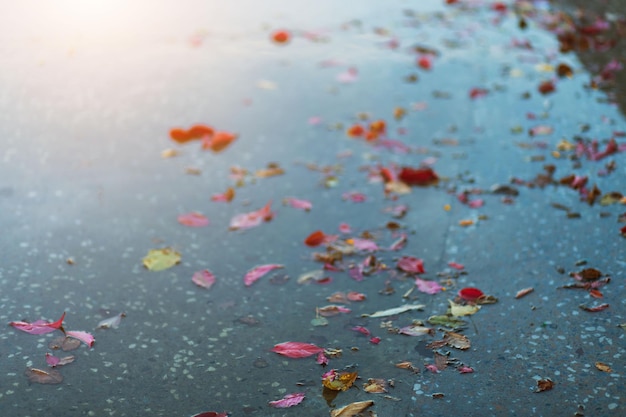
(364, 244)
(193, 219)
(354, 196)
(204, 279)
(456, 265)
(345, 228)
(411, 264)
(465, 369)
(86, 338)
(321, 359)
(399, 244)
(361, 329)
(299, 204)
(432, 368)
(52, 360)
(255, 273)
(252, 219)
(39, 326)
(350, 76)
(428, 287)
(375, 340)
(288, 400)
(296, 349)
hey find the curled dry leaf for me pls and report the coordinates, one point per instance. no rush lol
(339, 381)
(524, 292)
(458, 310)
(603, 367)
(457, 340)
(352, 409)
(375, 386)
(545, 384)
(50, 376)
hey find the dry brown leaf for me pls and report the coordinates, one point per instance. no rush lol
(352, 409)
(375, 386)
(545, 384)
(457, 340)
(603, 367)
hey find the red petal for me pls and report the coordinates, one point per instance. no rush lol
(315, 239)
(411, 264)
(418, 176)
(296, 349)
(39, 326)
(200, 131)
(470, 293)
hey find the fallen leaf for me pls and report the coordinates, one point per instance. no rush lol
(456, 265)
(447, 321)
(375, 386)
(416, 330)
(280, 36)
(545, 384)
(351, 409)
(396, 310)
(524, 292)
(418, 176)
(457, 340)
(204, 279)
(332, 310)
(594, 309)
(161, 259)
(458, 310)
(296, 349)
(315, 239)
(193, 219)
(288, 400)
(39, 326)
(603, 367)
(257, 272)
(51, 376)
(339, 381)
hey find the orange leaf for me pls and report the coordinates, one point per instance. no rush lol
(180, 135)
(315, 239)
(200, 131)
(218, 142)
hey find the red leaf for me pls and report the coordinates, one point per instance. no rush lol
(200, 131)
(296, 349)
(204, 279)
(39, 326)
(470, 293)
(288, 400)
(255, 273)
(193, 219)
(418, 176)
(456, 265)
(411, 264)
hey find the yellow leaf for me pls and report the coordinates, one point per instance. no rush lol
(160, 259)
(340, 382)
(458, 310)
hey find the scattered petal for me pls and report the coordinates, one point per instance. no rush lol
(226, 197)
(39, 326)
(288, 400)
(281, 37)
(204, 279)
(253, 218)
(296, 349)
(470, 293)
(111, 322)
(428, 287)
(193, 219)
(54, 361)
(255, 273)
(298, 204)
(411, 264)
(86, 338)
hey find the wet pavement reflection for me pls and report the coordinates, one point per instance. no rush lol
(288, 208)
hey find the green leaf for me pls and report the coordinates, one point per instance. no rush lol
(160, 259)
